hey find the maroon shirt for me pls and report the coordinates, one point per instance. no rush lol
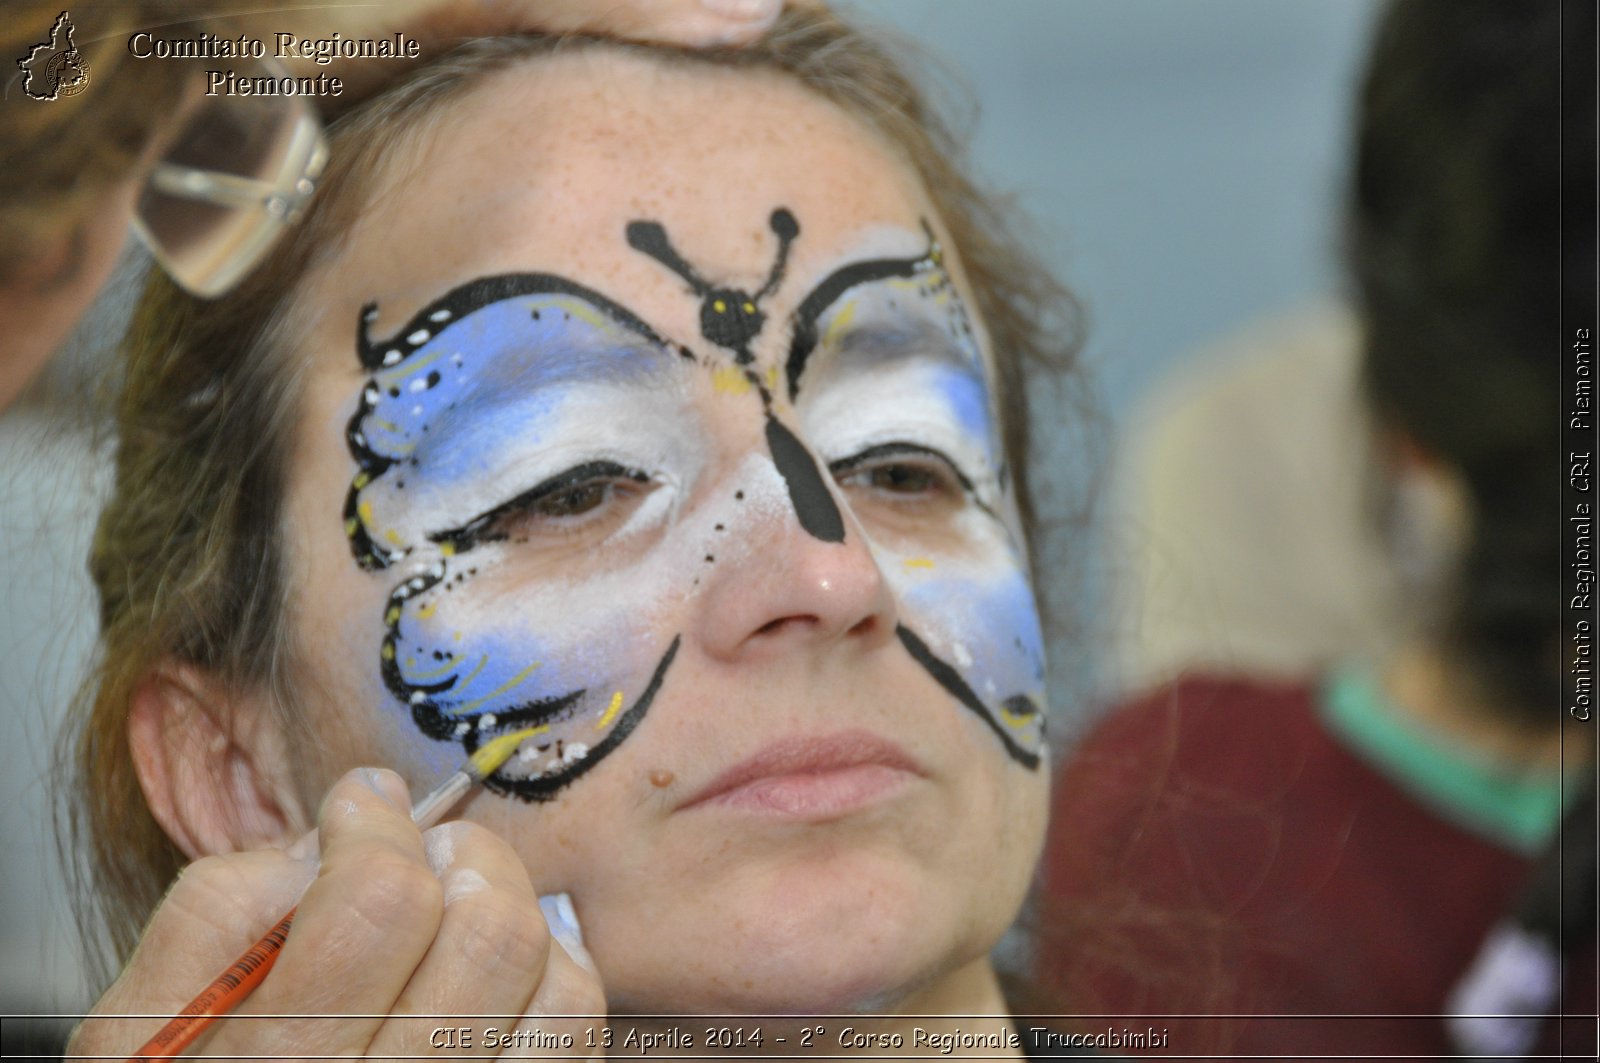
(1214, 850)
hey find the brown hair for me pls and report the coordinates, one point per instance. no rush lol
(188, 557)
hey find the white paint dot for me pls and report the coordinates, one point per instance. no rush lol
(573, 753)
(419, 336)
(419, 384)
(439, 315)
(462, 729)
(391, 357)
(486, 720)
(418, 697)
(416, 411)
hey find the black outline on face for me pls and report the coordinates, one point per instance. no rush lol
(731, 319)
(809, 494)
(426, 714)
(421, 329)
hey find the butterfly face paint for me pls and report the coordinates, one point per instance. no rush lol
(885, 367)
(515, 401)
(494, 403)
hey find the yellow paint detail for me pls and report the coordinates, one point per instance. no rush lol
(495, 752)
(772, 378)
(411, 369)
(449, 665)
(387, 426)
(456, 637)
(611, 711)
(730, 380)
(918, 562)
(365, 509)
(497, 691)
(362, 480)
(839, 323)
(393, 537)
(447, 549)
(719, 306)
(749, 308)
(388, 651)
(470, 676)
(427, 610)
(1013, 719)
(351, 526)
(392, 615)
(583, 312)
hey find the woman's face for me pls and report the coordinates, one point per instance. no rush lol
(647, 416)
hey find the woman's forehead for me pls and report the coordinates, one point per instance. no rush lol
(544, 165)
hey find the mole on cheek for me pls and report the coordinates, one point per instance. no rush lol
(661, 778)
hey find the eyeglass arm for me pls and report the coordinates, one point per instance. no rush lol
(228, 190)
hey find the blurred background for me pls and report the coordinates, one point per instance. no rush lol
(1183, 162)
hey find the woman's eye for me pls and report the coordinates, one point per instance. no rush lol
(576, 497)
(575, 500)
(591, 498)
(902, 471)
(902, 479)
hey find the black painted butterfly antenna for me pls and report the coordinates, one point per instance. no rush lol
(786, 229)
(651, 238)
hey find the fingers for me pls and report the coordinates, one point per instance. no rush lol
(568, 1010)
(362, 928)
(438, 25)
(390, 933)
(492, 949)
(215, 909)
(687, 23)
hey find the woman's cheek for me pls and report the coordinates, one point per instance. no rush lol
(972, 611)
(473, 651)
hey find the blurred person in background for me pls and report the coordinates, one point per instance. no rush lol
(1382, 837)
(77, 164)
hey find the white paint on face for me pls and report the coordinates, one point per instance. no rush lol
(682, 912)
(518, 461)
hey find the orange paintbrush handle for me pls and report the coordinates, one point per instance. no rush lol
(218, 998)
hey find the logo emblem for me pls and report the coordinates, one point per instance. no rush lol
(54, 68)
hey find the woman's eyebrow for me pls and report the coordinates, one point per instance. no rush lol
(875, 343)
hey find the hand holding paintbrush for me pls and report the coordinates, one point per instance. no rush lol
(393, 923)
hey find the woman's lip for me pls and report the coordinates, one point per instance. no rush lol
(817, 775)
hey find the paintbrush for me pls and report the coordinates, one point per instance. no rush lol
(233, 985)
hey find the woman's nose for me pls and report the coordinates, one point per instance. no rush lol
(792, 587)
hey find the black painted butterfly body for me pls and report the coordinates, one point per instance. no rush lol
(729, 317)
(417, 375)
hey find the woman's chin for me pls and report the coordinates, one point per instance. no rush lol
(843, 982)
(800, 944)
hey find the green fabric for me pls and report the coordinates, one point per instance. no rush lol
(1520, 812)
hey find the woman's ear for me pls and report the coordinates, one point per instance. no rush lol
(213, 764)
